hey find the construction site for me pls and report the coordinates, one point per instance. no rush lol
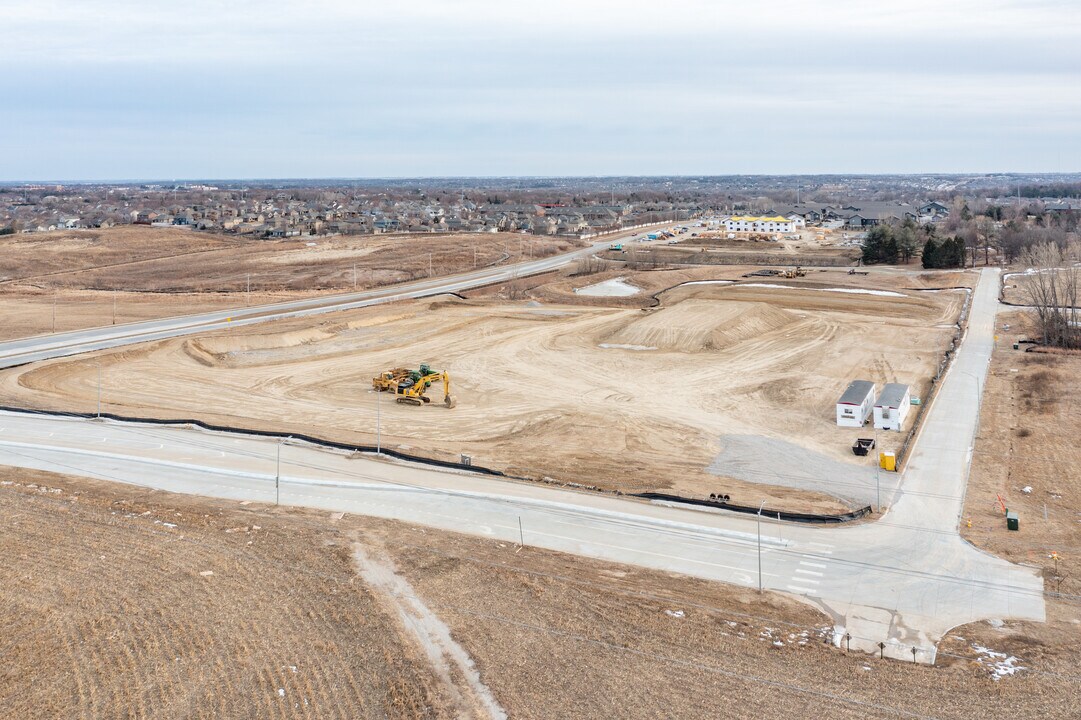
(693, 384)
(685, 396)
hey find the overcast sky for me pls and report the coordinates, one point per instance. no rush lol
(123, 89)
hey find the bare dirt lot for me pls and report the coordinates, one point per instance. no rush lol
(624, 398)
(159, 272)
(108, 609)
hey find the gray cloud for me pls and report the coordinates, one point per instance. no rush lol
(128, 89)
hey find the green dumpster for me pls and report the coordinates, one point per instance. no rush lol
(1012, 520)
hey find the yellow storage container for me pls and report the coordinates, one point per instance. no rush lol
(887, 461)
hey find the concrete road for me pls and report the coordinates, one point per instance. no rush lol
(25, 350)
(903, 581)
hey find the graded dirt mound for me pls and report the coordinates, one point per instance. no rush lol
(701, 325)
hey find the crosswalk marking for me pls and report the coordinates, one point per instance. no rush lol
(808, 572)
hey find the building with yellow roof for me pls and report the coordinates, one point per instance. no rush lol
(764, 224)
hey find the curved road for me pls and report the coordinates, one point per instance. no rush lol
(44, 347)
(903, 581)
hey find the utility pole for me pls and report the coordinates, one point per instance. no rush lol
(760, 545)
(429, 264)
(354, 277)
(114, 307)
(99, 391)
(248, 301)
(474, 257)
(54, 311)
(378, 433)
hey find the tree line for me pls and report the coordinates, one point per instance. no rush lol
(893, 244)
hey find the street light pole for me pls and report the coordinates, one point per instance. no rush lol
(378, 438)
(878, 467)
(760, 545)
(278, 474)
(99, 390)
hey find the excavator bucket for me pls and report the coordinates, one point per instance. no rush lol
(449, 401)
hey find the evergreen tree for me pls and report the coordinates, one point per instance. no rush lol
(880, 246)
(930, 253)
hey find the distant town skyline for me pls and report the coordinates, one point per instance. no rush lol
(116, 89)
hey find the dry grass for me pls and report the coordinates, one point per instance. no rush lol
(1027, 454)
(1028, 439)
(163, 260)
(553, 636)
(122, 602)
(161, 272)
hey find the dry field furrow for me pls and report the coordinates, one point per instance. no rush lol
(551, 636)
(119, 615)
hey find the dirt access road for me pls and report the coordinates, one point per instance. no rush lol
(551, 635)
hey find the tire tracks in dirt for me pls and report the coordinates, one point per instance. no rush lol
(450, 662)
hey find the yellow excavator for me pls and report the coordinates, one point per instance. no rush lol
(410, 386)
(411, 390)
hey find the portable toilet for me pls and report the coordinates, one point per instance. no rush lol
(888, 461)
(1013, 522)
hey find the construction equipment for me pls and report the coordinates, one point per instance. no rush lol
(411, 389)
(388, 381)
(797, 273)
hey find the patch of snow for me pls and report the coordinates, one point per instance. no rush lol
(850, 291)
(778, 643)
(616, 287)
(709, 282)
(674, 613)
(998, 664)
(1026, 489)
(281, 692)
(619, 346)
(207, 573)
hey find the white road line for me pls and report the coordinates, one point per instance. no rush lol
(813, 564)
(807, 591)
(809, 572)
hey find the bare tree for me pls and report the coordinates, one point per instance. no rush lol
(1051, 287)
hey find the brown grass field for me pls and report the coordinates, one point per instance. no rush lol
(1027, 454)
(108, 610)
(162, 272)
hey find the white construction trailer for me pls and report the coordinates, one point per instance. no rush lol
(891, 408)
(855, 404)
